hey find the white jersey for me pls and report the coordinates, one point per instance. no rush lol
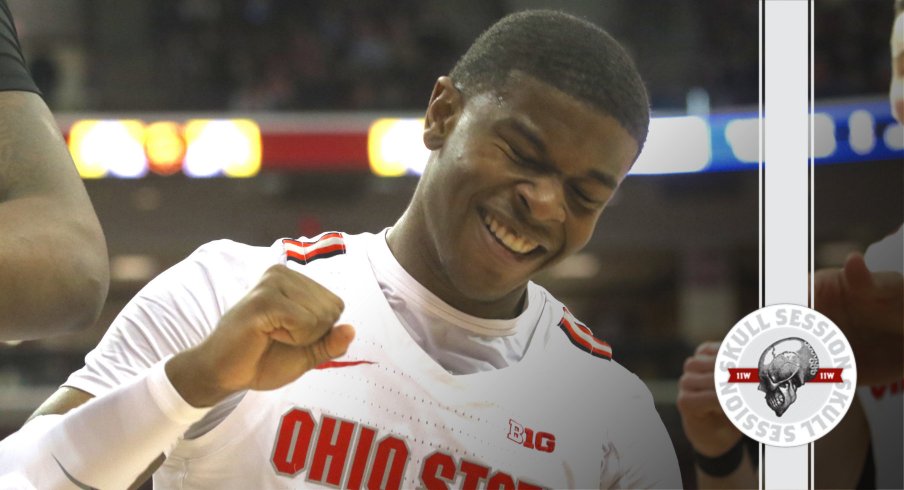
(884, 405)
(387, 414)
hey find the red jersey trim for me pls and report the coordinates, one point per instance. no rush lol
(328, 244)
(582, 337)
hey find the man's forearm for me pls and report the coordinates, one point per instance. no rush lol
(105, 443)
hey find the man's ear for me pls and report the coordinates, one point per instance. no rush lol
(445, 106)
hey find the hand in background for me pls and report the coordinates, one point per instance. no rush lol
(705, 424)
(869, 309)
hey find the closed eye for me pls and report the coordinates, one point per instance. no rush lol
(586, 198)
(524, 161)
(521, 160)
(581, 195)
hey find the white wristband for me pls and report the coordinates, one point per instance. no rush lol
(168, 399)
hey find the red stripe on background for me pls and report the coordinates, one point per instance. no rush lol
(315, 151)
(305, 152)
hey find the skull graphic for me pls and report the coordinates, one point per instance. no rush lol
(784, 367)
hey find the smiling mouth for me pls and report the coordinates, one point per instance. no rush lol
(509, 238)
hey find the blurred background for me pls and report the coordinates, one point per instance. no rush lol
(194, 120)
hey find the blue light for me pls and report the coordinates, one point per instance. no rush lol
(843, 132)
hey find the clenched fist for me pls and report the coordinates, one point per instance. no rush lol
(283, 327)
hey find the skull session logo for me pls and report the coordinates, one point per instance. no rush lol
(785, 375)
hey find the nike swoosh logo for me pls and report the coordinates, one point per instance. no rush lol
(72, 478)
(341, 364)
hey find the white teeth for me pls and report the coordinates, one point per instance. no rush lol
(520, 244)
(509, 238)
(517, 243)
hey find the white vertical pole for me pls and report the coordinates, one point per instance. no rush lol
(786, 190)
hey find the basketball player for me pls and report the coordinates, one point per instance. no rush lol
(865, 450)
(53, 257)
(236, 368)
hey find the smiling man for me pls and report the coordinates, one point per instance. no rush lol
(517, 180)
(237, 369)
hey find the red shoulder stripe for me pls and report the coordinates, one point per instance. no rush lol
(303, 252)
(582, 337)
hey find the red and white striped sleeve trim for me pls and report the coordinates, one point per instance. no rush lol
(582, 337)
(325, 245)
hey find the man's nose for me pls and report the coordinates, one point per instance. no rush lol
(544, 198)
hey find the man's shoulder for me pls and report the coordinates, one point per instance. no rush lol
(226, 255)
(302, 250)
(579, 353)
(567, 334)
(227, 249)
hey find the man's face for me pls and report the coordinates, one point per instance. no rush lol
(516, 182)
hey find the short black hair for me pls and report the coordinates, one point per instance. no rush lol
(566, 52)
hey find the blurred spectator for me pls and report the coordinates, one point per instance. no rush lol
(294, 55)
(307, 55)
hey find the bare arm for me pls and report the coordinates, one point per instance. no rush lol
(279, 330)
(54, 273)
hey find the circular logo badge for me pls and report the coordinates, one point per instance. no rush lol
(785, 375)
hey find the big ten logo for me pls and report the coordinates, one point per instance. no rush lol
(531, 439)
